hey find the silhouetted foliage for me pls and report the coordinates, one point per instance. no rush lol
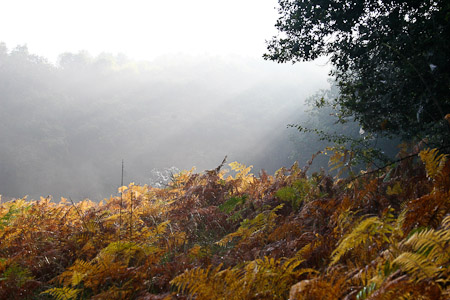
(391, 58)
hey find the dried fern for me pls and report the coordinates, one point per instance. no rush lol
(434, 162)
(64, 293)
(265, 278)
(430, 258)
(365, 232)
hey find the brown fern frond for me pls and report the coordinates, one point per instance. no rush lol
(427, 211)
(400, 287)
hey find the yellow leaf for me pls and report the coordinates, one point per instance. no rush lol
(395, 189)
(122, 189)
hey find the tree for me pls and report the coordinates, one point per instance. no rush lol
(391, 59)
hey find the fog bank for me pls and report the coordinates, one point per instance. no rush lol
(65, 129)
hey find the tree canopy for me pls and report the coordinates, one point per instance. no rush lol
(391, 59)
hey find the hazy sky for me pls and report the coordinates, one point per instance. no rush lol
(141, 29)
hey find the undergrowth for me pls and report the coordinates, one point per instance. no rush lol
(382, 235)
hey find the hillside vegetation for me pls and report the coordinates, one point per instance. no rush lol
(233, 235)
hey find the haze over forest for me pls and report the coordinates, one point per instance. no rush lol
(66, 127)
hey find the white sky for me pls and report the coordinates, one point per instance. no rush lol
(141, 29)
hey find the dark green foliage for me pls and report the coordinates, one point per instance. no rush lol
(321, 127)
(391, 58)
(232, 203)
(294, 194)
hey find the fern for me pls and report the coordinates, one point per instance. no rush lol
(431, 256)
(8, 217)
(366, 291)
(446, 222)
(124, 252)
(365, 232)
(64, 293)
(434, 162)
(419, 266)
(198, 282)
(342, 159)
(76, 273)
(295, 193)
(241, 170)
(10, 210)
(263, 221)
(16, 275)
(432, 243)
(232, 203)
(265, 278)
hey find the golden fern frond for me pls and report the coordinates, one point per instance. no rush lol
(446, 222)
(364, 232)
(151, 235)
(77, 277)
(76, 273)
(417, 265)
(240, 169)
(113, 293)
(196, 282)
(81, 266)
(125, 251)
(64, 293)
(399, 222)
(434, 162)
(300, 254)
(269, 278)
(434, 244)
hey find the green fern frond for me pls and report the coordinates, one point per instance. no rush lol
(64, 293)
(229, 205)
(365, 292)
(263, 221)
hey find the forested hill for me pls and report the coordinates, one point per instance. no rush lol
(65, 129)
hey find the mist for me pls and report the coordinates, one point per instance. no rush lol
(66, 127)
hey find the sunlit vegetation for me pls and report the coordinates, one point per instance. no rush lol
(228, 234)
